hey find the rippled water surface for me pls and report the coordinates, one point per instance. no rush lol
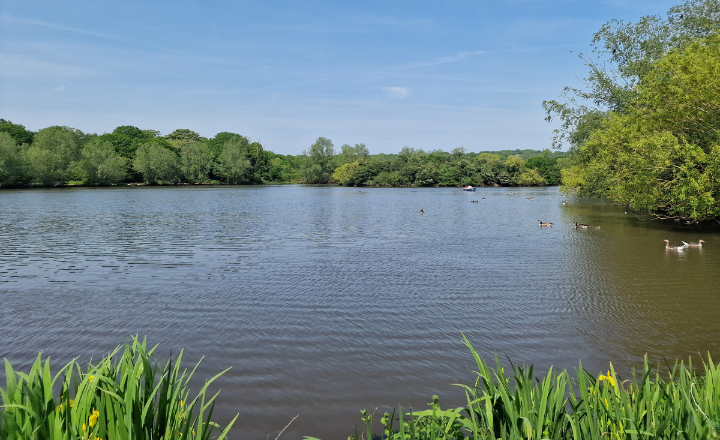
(329, 300)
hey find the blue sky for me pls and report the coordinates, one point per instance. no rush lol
(424, 74)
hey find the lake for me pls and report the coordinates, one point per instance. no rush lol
(329, 300)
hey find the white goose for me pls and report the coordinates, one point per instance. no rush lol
(676, 247)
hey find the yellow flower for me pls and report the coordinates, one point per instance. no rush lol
(84, 427)
(182, 403)
(193, 432)
(608, 378)
(607, 405)
(59, 408)
(72, 402)
(93, 417)
(91, 378)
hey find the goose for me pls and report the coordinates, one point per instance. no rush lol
(529, 198)
(565, 202)
(581, 225)
(676, 247)
(694, 244)
(421, 211)
(544, 223)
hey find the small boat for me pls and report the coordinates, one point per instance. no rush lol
(468, 188)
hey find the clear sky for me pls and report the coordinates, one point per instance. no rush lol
(424, 74)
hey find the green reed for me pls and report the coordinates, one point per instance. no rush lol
(678, 404)
(116, 399)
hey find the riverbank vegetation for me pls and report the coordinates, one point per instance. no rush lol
(512, 404)
(60, 156)
(122, 397)
(645, 131)
(126, 396)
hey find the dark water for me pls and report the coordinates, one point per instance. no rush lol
(326, 301)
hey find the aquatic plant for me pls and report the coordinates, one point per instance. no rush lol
(678, 404)
(116, 399)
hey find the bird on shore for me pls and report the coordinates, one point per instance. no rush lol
(675, 247)
(544, 223)
(694, 244)
(581, 225)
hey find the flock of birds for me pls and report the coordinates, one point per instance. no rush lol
(679, 247)
(676, 247)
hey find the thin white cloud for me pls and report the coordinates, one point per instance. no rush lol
(10, 18)
(445, 60)
(397, 92)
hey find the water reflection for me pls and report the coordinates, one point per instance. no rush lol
(329, 300)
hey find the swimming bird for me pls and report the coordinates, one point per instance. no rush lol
(694, 244)
(581, 225)
(529, 198)
(421, 211)
(675, 247)
(544, 223)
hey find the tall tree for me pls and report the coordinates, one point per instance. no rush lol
(233, 164)
(662, 154)
(622, 55)
(320, 165)
(196, 161)
(10, 161)
(156, 162)
(17, 131)
(48, 159)
(100, 164)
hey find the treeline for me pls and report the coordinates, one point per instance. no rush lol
(645, 131)
(58, 156)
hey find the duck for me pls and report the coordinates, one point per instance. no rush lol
(565, 202)
(581, 225)
(676, 247)
(421, 211)
(544, 223)
(529, 198)
(694, 244)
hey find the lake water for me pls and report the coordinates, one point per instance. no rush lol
(328, 300)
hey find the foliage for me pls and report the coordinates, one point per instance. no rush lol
(116, 399)
(100, 164)
(18, 132)
(320, 166)
(48, 159)
(11, 170)
(622, 55)
(515, 405)
(196, 161)
(662, 154)
(156, 162)
(233, 164)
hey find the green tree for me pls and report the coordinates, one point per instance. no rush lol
(18, 132)
(349, 154)
(47, 161)
(156, 162)
(11, 171)
(321, 162)
(622, 55)
(100, 164)
(233, 164)
(662, 154)
(196, 161)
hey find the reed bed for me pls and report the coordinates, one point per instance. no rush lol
(122, 397)
(677, 404)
